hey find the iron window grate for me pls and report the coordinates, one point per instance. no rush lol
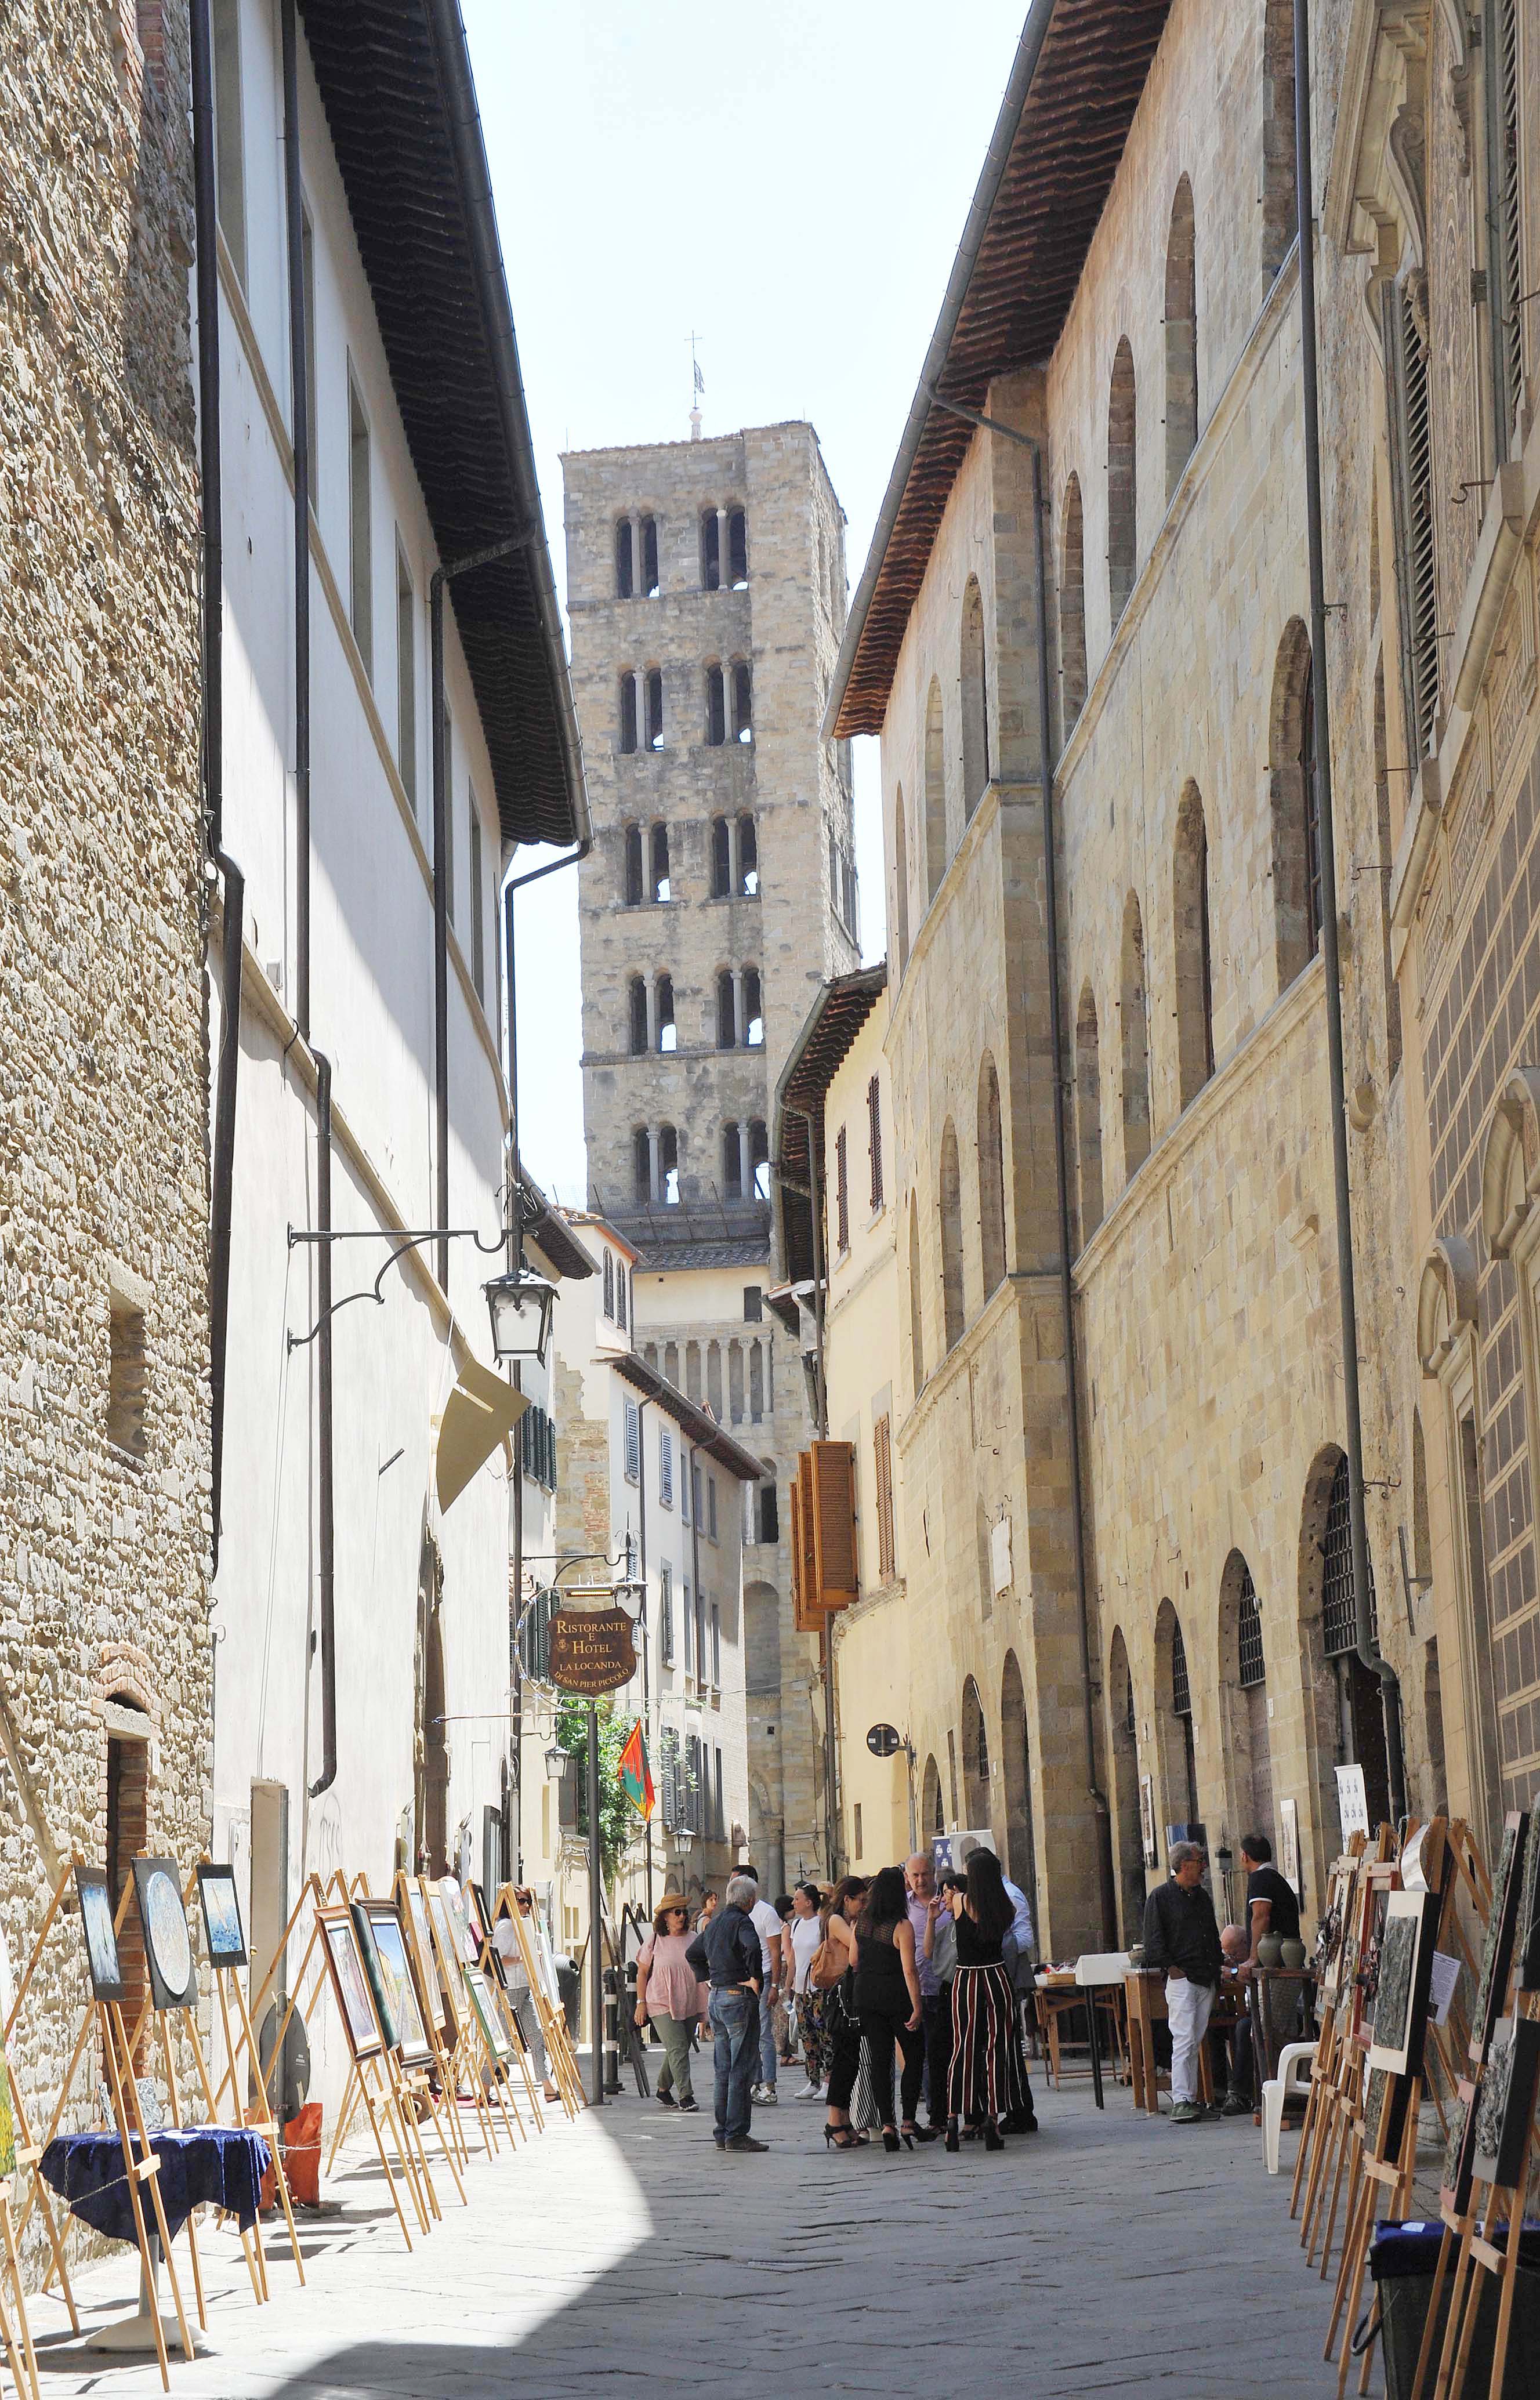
(1339, 1620)
(1182, 1691)
(1253, 1658)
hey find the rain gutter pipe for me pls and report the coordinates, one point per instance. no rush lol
(1366, 1652)
(221, 1162)
(1061, 1162)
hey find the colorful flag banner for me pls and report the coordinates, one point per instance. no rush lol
(635, 1773)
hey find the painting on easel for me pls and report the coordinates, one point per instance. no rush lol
(341, 1945)
(96, 1925)
(1506, 2102)
(1502, 1923)
(1401, 1996)
(1527, 1929)
(429, 1982)
(222, 1926)
(389, 1973)
(168, 1945)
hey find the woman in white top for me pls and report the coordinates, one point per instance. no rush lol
(804, 1934)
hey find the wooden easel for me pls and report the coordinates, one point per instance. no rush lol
(410, 2085)
(493, 1968)
(442, 2028)
(558, 2045)
(28, 2152)
(1378, 1875)
(1343, 1883)
(466, 2054)
(483, 2065)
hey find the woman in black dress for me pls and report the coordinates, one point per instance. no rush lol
(887, 2002)
(987, 2079)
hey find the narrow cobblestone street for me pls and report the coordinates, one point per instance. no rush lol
(1109, 2254)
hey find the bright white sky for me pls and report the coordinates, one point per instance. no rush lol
(787, 180)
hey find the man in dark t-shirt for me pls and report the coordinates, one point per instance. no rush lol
(1272, 1904)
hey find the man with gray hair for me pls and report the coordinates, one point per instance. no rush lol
(1181, 1935)
(726, 1954)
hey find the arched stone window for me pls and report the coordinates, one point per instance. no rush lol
(1243, 1700)
(975, 1759)
(1128, 1837)
(991, 1179)
(1195, 961)
(901, 882)
(1015, 1761)
(1279, 204)
(1136, 1041)
(668, 1034)
(1121, 485)
(917, 1307)
(1297, 896)
(935, 793)
(1088, 1113)
(975, 702)
(1182, 338)
(1072, 606)
(638, 1016)
(1175, 1738)
(951, 1240)
(931, 1813)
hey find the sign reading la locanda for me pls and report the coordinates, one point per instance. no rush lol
(591, 1650)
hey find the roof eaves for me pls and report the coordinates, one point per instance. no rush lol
(698, 1423)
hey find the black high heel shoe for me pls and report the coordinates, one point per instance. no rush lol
(889, 2140)
(953, 2140)
(841, 2137)
(993, 2138)
(913, 2134)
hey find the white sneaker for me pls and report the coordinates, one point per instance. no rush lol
(763, 2095)
(810, 2092)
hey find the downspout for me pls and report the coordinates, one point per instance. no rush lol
(642, 1407)
(1390, 1691)
(1061, 1149)
(328, 1775)
(221, 1164)
(441, 930)
(299, 409)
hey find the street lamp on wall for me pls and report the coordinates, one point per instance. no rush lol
(520, 1306)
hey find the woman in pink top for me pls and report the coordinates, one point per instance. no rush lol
(669, 1992)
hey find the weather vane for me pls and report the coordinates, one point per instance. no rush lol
(697, 384)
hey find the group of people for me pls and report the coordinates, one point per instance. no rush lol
(1182, 1939)
(861, 1975)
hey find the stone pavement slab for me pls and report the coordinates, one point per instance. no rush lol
(1109, 2254)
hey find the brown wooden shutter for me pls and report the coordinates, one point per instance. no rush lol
(874, 1145)
(882, 1446)
(833, 1474)
(842, 1191)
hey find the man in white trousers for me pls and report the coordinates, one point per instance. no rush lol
(1181, 1935)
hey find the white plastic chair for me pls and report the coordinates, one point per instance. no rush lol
(1293, 2076)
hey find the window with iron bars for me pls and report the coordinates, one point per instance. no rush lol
(1339, 1619)
(1182, 1690)
(1253, 1660)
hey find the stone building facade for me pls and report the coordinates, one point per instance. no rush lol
(706, 596)
(104, 1523)
(1154, 361)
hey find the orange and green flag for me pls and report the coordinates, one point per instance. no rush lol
(635, 1773)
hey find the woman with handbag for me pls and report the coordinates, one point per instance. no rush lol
(805, 1936)
(834, 1970)
(669, 1992)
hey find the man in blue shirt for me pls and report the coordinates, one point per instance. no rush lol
(726, 1954)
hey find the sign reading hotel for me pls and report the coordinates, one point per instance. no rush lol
(592, 1649)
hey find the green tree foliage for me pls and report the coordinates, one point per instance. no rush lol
(617, 1817)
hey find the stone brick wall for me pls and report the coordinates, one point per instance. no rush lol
(104, 1184)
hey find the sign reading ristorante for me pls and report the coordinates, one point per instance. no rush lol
(591, 1650)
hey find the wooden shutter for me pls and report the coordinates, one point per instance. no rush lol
(1411, 489)
(833, 1477)
(842, 1191)
(874, 1143)
(882, 1447)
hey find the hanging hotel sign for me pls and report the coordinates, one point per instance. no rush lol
(592, 1649)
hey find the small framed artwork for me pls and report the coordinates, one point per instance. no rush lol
(1288, 1844)
(1504, 2105)
(420, 1935)
(96, 1925)
(487, 2018)
(1147, 1821)
(168, 1943)
(475, 1910)
(389, 1973)
(349, 1982)
(1385, 2112)
(1407, 1945)
(1492, 1991)
(1459, 2154)
(1527, 1929)
(460, 1917)
(222, 1926)
(447, 1945)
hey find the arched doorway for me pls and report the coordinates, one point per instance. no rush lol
(976, 1759)
(1021, 1846)
(1128, 1842)
(1243, 1701)
(1348, 1713)
(1175, 1747)
(435, 1748)
(932, 1819)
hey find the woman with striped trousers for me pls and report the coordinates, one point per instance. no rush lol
(988, 2073)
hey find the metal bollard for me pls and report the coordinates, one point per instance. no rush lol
(612, 2033)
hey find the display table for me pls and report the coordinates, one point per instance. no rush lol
(218, 2166)
(1144, 1990)
(1060, 1990)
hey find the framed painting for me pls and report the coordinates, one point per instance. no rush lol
(447, 1949)
(419, 1942)
(1459, 2154)
(1385, 2112)
(460, 1917)
(486, 2009)
(1527, 1928)
(223, 1929)
(349, 1982)
(475, 1910)
(1491, 1990)
(1147, 1821)
(1407, 1945)
(383, 1946)
(168, 1943)
(1505, 2104)
(101, 1940)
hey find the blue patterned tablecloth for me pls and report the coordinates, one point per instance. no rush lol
(220, 2164)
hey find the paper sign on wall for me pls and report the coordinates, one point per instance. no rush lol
(1445, 1975)
(1288, 1844)
(1000, 1555)
(1352, 1802)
